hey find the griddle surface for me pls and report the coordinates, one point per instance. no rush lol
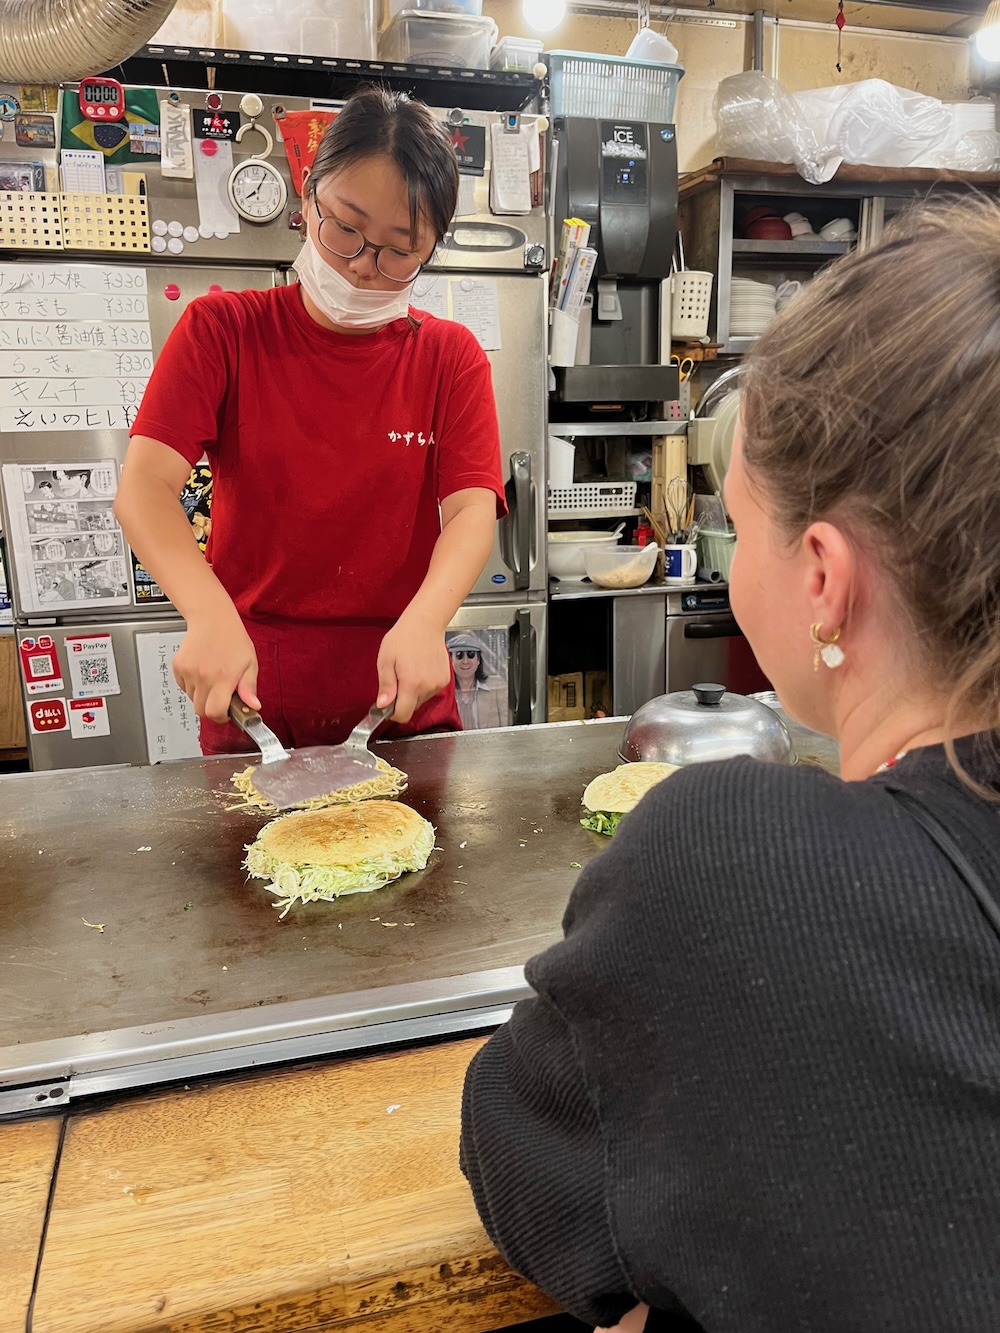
(154, 856)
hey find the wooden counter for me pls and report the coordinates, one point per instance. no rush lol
(12, 739)
(322, 1197)
(28, 1154)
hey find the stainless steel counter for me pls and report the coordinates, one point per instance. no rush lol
(193, 972)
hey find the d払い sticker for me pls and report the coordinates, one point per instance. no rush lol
(45, 715)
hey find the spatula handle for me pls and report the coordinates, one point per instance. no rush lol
(250, 721)
(361, 734)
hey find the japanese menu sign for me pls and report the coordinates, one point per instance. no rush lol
(68, 551)
(75, 347)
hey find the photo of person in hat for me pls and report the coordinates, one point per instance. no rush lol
(482, 698)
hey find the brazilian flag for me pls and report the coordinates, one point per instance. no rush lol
(115, 139)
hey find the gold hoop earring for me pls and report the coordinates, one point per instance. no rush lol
(825, 649)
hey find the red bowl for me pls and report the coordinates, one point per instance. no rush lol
(755, 214)
(769, 229)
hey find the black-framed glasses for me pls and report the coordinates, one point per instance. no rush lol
(459, 654)
(347, 243)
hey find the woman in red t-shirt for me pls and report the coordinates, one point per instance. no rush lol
(354, 449)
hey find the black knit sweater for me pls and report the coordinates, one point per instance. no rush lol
(759, 1086)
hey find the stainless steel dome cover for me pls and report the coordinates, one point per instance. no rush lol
(705, 723)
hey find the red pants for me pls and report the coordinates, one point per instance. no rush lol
(316, 683)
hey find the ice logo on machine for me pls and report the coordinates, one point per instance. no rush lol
(623, 141)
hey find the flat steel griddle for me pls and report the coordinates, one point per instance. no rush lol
(194, 973)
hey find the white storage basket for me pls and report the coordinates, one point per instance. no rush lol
(592, 497)
(690, 302)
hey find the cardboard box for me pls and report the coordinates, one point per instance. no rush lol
(566, 698)
(597, 694)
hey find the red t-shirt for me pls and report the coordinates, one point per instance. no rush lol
(330, 452)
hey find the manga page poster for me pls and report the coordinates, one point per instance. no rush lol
(67, 551)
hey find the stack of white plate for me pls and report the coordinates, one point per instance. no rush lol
(751, 307)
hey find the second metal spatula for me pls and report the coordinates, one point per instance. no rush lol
(290, 777)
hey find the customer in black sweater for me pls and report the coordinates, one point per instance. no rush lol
(758, 1090)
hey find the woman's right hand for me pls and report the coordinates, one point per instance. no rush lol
(215, 661)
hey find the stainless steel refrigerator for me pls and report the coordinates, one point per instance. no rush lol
(95, 642)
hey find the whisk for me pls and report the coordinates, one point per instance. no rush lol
(679, 501)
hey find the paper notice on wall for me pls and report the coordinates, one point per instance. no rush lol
(216, 213)
(466, 197)
(430, 295)
(88, 717)
(66, 548)
(475, 303)
(92, 666)
(75, 347)
(177, 150)
(171, 723)
(510, 177)
(82, 172)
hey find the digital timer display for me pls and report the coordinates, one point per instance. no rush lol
(102, 99)
(100, 92)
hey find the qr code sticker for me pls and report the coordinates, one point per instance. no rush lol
(41, 666)
(94, 671)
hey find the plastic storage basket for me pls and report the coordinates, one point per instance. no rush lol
(517, 55)
(689, 304)
(613, 87)
(592, 497)
(419, 37)
(715, 553)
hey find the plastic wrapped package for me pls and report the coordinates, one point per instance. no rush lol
(876, 124)
(870, 123)
(758, 119)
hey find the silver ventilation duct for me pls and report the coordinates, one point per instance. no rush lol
(57, 41)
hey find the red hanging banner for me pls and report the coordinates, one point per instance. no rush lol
(301, 132)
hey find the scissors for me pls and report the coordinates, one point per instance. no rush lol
(684, 367)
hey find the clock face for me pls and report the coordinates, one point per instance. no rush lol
(257, 190)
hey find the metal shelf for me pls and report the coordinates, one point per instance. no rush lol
(322, 77)
(576, 515)
(792, 249)
(600, 428)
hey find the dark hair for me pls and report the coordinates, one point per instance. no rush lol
(872, 401)
(376, 122)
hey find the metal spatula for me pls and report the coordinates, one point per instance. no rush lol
(289, 777)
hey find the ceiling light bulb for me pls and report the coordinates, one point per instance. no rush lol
(544, 15)
(988, 36)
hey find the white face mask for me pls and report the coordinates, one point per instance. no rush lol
(349, 306)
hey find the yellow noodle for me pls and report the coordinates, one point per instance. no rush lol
(387, 783)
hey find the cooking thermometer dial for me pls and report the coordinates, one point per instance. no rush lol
(102, 99)
(257, 190)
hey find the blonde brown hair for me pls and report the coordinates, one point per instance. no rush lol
(874, 401)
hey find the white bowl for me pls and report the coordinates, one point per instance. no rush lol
(840, 229)
(566, 551)
(620, 566)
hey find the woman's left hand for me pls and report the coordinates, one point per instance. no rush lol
(413, 665)
(633, 1322)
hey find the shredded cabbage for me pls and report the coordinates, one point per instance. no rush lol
(310, 883)
(603, 821)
